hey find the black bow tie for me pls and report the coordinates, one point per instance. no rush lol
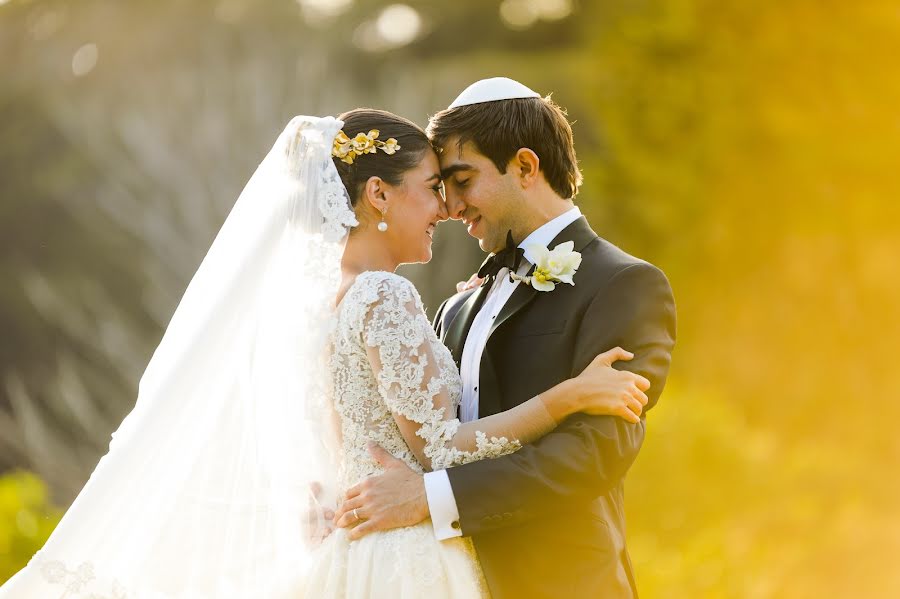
(509, 257)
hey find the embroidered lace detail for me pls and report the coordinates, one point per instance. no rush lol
(81, 580)
(334, 203)
(383, 312)
(311, 137)
(445, 456)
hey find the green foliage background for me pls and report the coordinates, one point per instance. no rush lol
(747, 148)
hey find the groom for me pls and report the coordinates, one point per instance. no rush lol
(548, 520)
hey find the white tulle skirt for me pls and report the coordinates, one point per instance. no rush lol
(405, 563)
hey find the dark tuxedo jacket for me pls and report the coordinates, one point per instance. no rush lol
(548, 520)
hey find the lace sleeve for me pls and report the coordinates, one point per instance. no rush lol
(418, 380)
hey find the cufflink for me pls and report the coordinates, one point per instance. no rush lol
(455, 525)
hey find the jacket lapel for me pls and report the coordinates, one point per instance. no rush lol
(520, 298)
(462, 322)
(581, 234)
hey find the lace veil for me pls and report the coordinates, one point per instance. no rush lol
(212, 483)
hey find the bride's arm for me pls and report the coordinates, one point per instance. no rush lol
(403, 352)
(600, 390)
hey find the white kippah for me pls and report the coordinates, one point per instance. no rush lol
(491, 90)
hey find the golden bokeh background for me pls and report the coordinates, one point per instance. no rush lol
(750, 149)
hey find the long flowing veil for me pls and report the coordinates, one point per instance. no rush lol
(212, 483)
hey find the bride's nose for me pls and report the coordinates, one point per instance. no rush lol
(442, 213)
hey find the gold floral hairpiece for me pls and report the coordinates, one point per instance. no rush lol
(364, 143)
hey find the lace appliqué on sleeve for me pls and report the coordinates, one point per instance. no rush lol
(439, 445)
(416, 374)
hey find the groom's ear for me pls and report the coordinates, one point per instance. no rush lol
(526, 165)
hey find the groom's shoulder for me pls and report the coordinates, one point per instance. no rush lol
(453, 303)
(448, 310)
(608, 262)
(604, 255)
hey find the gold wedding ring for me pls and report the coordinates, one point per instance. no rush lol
(356, 514)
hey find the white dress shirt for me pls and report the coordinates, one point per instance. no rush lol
(439, 493)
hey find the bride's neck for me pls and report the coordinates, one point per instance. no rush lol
(366, 251)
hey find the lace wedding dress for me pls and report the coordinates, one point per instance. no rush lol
(388, 365)
(255, 412)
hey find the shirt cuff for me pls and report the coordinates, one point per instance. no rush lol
(442, 505)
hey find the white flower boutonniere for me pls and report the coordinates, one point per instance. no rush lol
(551, 267)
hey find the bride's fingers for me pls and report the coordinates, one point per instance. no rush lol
(640, 396)
(628, 415)
(315, 513)
(634, 405)
(613, 355)
(642, 383)
(315, 488)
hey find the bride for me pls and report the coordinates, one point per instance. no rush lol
(294, 347)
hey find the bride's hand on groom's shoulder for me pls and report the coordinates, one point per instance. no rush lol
(393, 499)
(602, 390)
(473, 282)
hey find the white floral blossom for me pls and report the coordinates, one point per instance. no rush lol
(551, 267)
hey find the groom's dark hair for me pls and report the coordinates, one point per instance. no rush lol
(500, 129)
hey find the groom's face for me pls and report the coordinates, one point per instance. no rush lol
(479, 195)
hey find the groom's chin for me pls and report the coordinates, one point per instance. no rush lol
(487, 247)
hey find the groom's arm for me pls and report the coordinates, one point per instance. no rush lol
(585, 456)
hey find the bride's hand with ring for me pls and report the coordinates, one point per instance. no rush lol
(601, 390)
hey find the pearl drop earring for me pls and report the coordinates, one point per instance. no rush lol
(383, 226)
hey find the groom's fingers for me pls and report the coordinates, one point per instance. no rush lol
(348, 519)
(352, 492)
(345, 516)
(358, 532)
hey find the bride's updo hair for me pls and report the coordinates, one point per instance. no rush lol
(390, 167)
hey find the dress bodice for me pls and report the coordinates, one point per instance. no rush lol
(383, 310)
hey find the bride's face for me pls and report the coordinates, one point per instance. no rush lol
(415, 207)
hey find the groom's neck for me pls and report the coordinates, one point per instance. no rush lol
(540, 210)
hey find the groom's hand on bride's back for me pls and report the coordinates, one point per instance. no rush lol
(390, 500)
